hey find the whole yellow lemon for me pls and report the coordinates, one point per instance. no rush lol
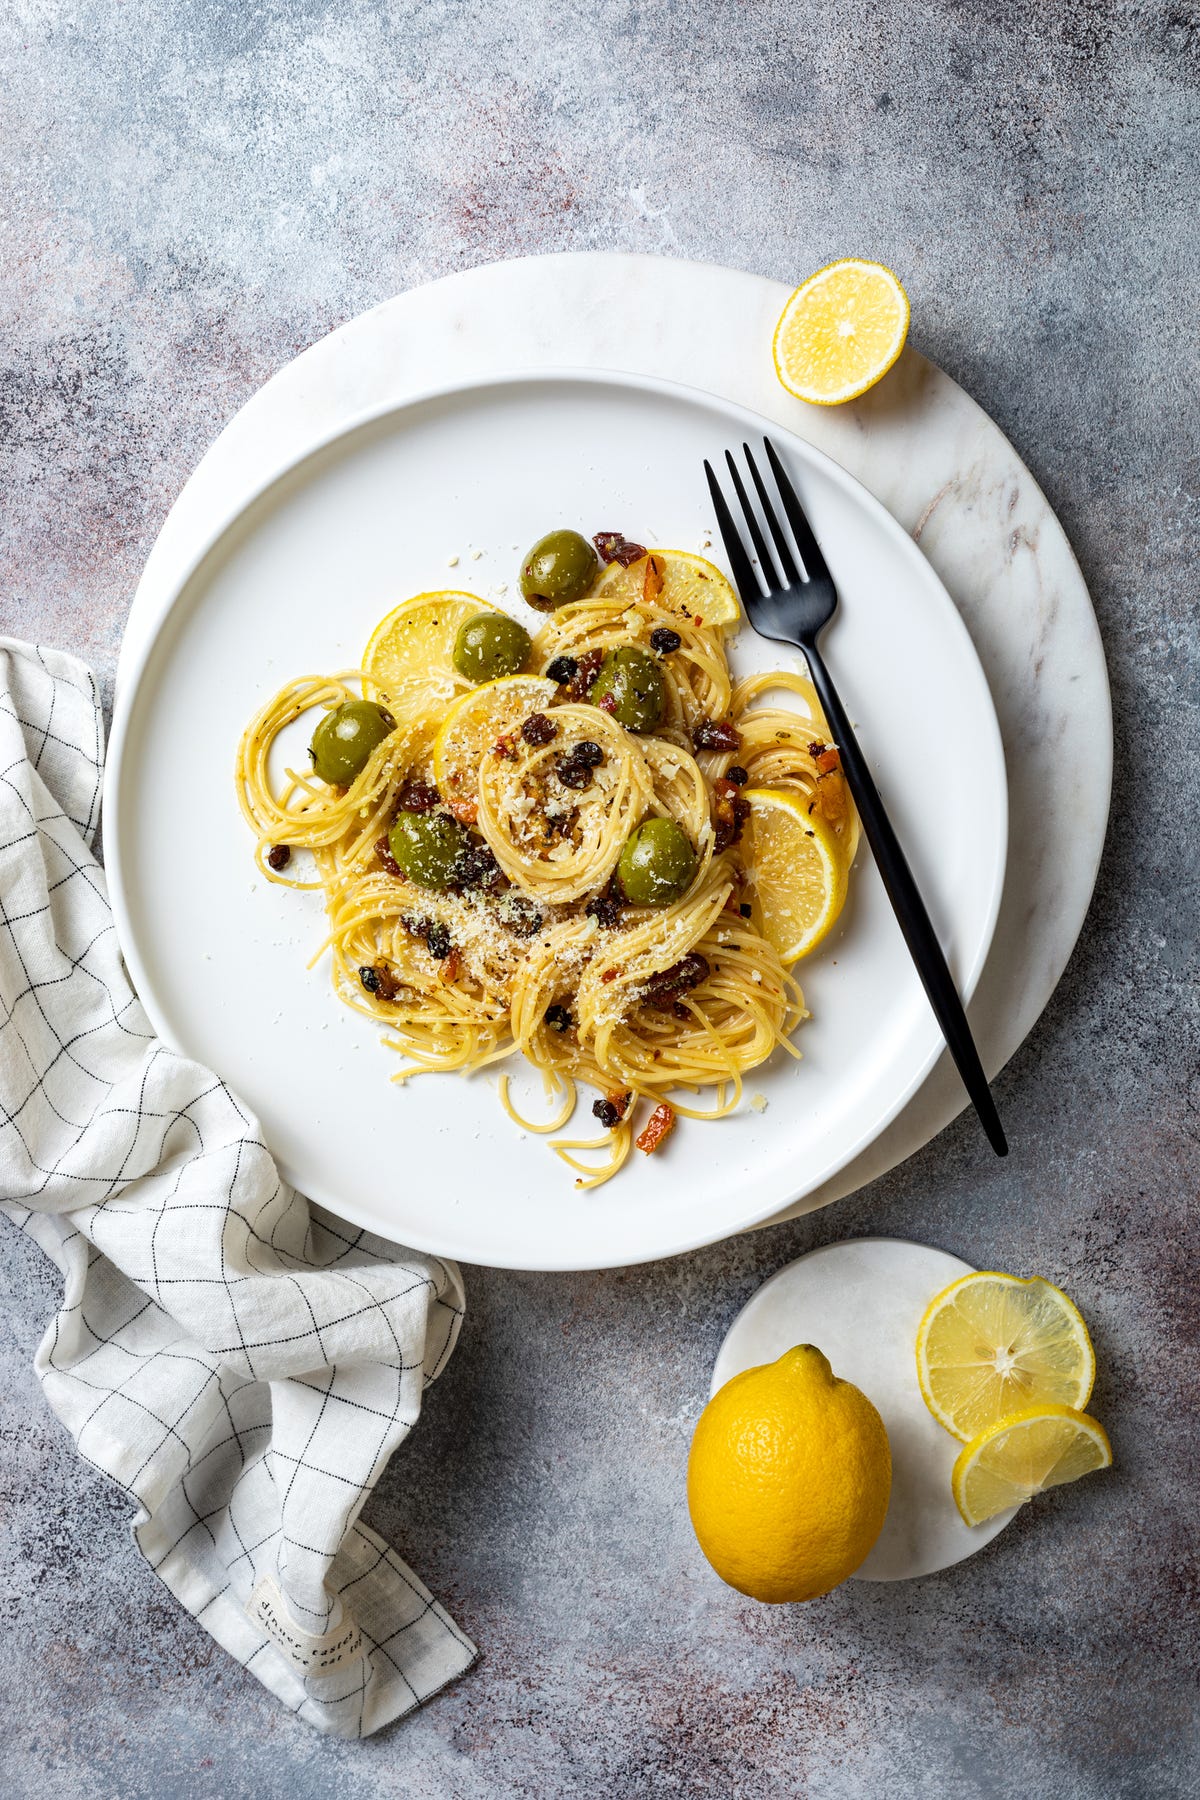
(788, 1478)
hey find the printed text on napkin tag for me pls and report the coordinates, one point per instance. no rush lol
(310, 1654)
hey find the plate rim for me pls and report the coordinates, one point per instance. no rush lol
(130, 687)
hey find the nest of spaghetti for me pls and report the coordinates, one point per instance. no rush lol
(533, 944)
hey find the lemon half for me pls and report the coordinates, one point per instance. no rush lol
(840, 332)
(1024, 1455)
(991, 1345)
(796, 870)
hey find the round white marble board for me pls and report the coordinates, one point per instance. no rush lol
(860, 1302)
(917, 441)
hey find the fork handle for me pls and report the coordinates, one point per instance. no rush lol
(907, 904)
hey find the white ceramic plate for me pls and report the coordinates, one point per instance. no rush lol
(294, 583)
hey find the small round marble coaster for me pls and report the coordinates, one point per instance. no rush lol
(860, 1302)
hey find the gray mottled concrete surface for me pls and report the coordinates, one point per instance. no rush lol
(192, 192)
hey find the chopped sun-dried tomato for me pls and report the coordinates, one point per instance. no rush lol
(652, 580)
(384, 853)
(659, 1125)
(614, 546)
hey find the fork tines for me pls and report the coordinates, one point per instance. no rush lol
(807, 564)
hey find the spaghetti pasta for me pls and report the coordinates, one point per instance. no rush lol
(536, 943)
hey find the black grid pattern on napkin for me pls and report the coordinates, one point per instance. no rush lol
(193, 1275)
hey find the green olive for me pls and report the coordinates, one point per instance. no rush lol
(560, 568)
(631, 680)
(490, 645)
(657, 863)
(343, 741)
(429, 847)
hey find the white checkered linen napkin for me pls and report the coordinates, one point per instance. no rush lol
(240, 1361)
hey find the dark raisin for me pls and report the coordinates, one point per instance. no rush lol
(614, 546)
(437, 940)
(418, 796)
(745, 910)
(562, 670)
(369, 978)
(538, 729)
(611, 1110)
(279, 856)
(478, 868)
(710, 735)
(605, 910)
(663, 640)
(558, 1018)
(587, 753)
(572, 774)
(737, 775)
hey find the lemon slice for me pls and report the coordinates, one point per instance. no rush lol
(690, 586)
(1024, 1455)
(409, 660)
(841, 330)
(796, 870)
(474, 723)
(990, 1345)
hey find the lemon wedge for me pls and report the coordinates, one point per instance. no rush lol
(796, 870)
(1024, 1455)
(991, 1345)
(691, 586)
(840, 332)
(409, 660)
(474, 723)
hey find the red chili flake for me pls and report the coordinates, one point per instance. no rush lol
(613, 546)
(606, 703)
(712, 735)
(504, 746)
(391, 866)
(827, 761)
(465, 811)
(610, 975)
(659, 1125)
(279, 856)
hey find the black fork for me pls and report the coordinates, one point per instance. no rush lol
(799, 601)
